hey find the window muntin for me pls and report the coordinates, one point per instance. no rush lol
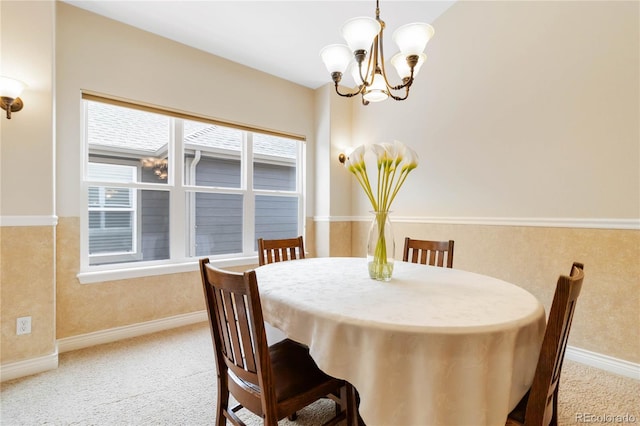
(219, 206)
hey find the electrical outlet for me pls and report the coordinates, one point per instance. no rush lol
(23, 325)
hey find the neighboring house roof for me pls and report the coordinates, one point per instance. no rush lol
(126, 129)
(144, 133)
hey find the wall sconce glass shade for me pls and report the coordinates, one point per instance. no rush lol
(10, 90)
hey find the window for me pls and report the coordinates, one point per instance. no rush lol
(161, 187)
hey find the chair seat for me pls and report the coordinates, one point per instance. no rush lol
(295, 372)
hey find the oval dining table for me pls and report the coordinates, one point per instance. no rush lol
(432, 346)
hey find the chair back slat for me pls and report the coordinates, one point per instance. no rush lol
(272, 382)
(234, 354)
(428, 252)
(232, 323)
(244, 328)
(221, 320)
(542, 405)
(270, 251)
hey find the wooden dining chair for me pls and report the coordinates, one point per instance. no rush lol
(539, 406)
(270, 381)
(431, 252)
(270, 251)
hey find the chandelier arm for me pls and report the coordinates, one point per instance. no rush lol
(375, 65)
(380, 47)
(350, 94)
(406, 83)
(400, 98)
(363, 79)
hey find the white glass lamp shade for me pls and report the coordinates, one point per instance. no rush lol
(377, 92)
(336, 57)
(399, 62)
(360, 32)
(412, 38)
(11, 88)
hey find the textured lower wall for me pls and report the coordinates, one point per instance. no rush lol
(607, 318)
(85, 308)
(27, 289)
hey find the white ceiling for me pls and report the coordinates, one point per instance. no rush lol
(282, 38)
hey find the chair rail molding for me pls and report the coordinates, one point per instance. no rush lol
(28, 220)
(548, 222)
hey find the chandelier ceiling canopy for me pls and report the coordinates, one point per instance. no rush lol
(363, 57)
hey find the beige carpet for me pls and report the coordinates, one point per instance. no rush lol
(168, 378)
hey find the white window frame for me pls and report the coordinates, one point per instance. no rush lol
(179, 260)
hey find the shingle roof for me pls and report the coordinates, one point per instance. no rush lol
(142, 132)
(117, 127)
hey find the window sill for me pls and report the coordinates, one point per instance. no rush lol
(125, 273)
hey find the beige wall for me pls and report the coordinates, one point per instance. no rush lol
(27, 140)
(101, 55)
(524, 109)
(104, 56)
(27, 164)
(607, 318)
(27, 276)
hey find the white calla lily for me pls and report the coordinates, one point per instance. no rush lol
(394, 161)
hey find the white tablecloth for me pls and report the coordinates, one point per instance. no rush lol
(433, 346)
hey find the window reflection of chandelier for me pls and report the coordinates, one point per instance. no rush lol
(160, 166)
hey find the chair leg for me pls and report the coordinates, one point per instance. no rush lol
(292, 417)
(351, 396)
(223, 404)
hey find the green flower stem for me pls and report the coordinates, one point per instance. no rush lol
(380, 268)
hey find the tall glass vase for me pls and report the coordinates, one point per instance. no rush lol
(380, 247)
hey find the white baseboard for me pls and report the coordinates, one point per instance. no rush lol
(119, 333)
(604, 362)
(50, 362)
(28, 367)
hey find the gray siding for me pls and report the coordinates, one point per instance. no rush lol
(276, 217)
(274, 177)
(154, 224)
(218, 172)
(218, 224)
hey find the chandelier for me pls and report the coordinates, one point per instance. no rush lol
(160, 166)
(365, 57)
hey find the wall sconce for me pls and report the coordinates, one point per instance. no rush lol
(10, 90)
